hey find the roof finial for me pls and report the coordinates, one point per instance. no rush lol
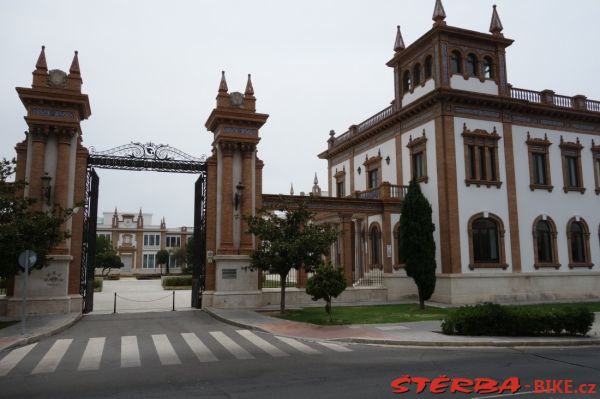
(291, 188)
(496, 26)
(316, 190)
(223, 84)
(399, 43)
(75, 64)
(249, 89)
(140, 211)
(439, 15)
(115, 210)
(41, 62)
(316, 181)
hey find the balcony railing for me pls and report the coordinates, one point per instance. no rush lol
(384, 191)
(548, 97)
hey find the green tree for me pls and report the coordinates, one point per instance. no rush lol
(328, 282)
(179, 255)
(21, 227)
(288, 240)
(162, 258)
(106, 256)
(417, 245)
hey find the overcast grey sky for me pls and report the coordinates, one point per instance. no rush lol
(152, 69)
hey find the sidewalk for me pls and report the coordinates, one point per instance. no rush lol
(424, 333)
(38, 327)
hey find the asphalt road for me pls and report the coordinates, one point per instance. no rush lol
(190, 355)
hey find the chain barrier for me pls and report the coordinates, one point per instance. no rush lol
(143, 300)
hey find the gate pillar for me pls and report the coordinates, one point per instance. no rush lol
(234, 190)
(53, 162)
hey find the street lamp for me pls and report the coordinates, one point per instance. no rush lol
(46, 188)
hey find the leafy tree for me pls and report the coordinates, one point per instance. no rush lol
(179, 255)
(162, 257)
(328, 282)
(21, 227)
(417, 245)
(288, 240)
(106, 256)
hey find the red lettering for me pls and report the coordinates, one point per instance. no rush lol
(557, 386)
(539, 386)
(486, 385)
(421, 383)
(462, 385)
(568, 386)
(439, 385)
(592, 388)
(511, 384)
(397, 384)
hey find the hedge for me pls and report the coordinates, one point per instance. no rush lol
(98, 284)
(177, 281)
(494, 319)
(146, 276)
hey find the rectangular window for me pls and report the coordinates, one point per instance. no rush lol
(340, 188)
(149, 261)
(597, 173)
(418, 158)
(481, 157)
(472, 162)
(482, 174)
(572, 173)
(571, 163)
(173, 241)
(373, 178)
(146, 238)
(151, 240)
(539, 169)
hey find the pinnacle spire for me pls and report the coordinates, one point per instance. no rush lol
(41, 62)
(223, 84)
(291, 188)
(439, 15)
(399, 43)
(316, 181)
(249, 88)
(75, 64)
(495, 25)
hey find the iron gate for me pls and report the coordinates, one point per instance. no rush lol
(137, 156)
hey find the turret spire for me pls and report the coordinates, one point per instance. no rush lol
(495, 25)
(41, 62)
(399, 43)
(249, 89)
(74, 70)
(223, 85)
(439, 15)
(291, 188)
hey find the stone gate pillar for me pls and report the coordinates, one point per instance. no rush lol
(234, 190)
(53, 162)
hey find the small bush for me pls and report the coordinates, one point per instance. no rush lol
(177, 281)
(146, 276)
(98, 284)
(493, 319)
(112, 277)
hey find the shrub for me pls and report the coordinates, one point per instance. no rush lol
(327, 283)
(98, 284)
(177, 281)
(112, 277)
(493, 319)
(146, 276)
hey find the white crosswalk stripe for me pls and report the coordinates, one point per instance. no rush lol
(298, 345)
(165, 350)
(13, 358)
(197, 346)
(231, 346)
(130, 353)
(335, 347)
(92, 354)
(50, 361)
(262, 344)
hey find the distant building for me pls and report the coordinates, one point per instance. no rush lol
(137, 240)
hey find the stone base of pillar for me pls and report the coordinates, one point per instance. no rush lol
(42, 306)
(236, 285)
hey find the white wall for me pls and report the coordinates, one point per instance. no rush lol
(388, 172)
(558, 205)
(473, 84)
(345, 165)
(418, 92)
(473, 199)
(429, 189)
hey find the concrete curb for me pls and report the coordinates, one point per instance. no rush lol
(36, 337)
(429, 344)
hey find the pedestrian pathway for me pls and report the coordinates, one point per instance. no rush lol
(93, 354)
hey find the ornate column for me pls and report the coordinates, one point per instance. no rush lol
(248, 150)
(226, 245)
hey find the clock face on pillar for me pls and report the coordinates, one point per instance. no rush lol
(236, 98)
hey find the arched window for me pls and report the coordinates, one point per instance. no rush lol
(578, 238)
(544, 243)
(417, 75)
(375, 238)
(428, 67)
(456, 62)
(488, 68)
(472, 65)
(486, 242)
(406, 82)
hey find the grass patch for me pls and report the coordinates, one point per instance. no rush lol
(4, 324)
(365, 314)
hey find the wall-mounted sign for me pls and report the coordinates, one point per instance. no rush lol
(229, 274)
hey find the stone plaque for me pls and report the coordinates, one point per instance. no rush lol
(229, 274)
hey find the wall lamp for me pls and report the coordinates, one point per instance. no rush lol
(387, 159)
(46, 188)
(237, 197)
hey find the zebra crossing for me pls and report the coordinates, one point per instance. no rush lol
(132, 351)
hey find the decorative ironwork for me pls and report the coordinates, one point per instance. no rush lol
(148, 156)
(199, 250)
(88, 250)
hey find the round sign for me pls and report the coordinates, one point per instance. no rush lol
(27, 261)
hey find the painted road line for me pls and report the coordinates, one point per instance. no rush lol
(165, 350)
(262, 344)
(50, 361)
(197, 346)
(130, 353)
(335, 347)
(298, 345)
(231, 346)
(92, 354)
(13, 358)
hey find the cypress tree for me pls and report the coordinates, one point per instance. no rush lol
(417, 246)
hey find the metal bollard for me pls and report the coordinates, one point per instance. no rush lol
(115, 306)
(173, 301)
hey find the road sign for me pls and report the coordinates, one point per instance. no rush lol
(27, 259)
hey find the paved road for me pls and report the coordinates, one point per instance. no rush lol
(190, 355)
